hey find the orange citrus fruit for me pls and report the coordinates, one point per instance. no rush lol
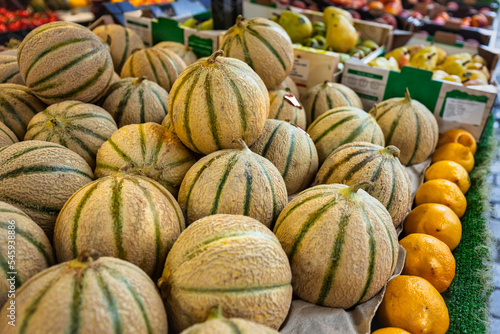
(455, 152)
(437, 220)
(444, 192)
(413, 304)
(429, 258)
(391, 330)
(458, 136)
(451, 171)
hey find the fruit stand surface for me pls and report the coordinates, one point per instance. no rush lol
(468, 296)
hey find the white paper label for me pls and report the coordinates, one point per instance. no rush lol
(142, 28)
(464, 111)
(300, 69)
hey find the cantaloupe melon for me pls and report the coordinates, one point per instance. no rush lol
(81, 127)
(291, 150)
(155, 64)
(289, 83)
(9, 71)
(217, 101)
(264, 45)
(217, 323)
(7, 137)
(88, 295)
(135, 101)
(237, 182)
(38, 177)
(125, 216)
(17, 107)
(29, 253)
(122, 42)
(167, 123)
(149, 150)
(341, 126)
(286, 107)
(227, 260)
(183, 51)
(408, 125)
(359, 161)
(62, 61)
(326, 96)
(341, 244)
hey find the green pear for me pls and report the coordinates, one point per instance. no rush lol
(298, 26)
(340, 34)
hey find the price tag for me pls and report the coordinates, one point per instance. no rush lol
(300, 69)
(464, 111)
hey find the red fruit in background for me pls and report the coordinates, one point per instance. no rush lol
(3, 28)
(14, 26)
(299, 4)
(388, 19)
(487, 12)
(376, 5)
(439, 20)
(479, 21)
(406, 13)
(444, 15)
(358, 4)
(394, 8)
(453, 6)
(417, 15)
(341, 3)
(313, 7)
(466, 21)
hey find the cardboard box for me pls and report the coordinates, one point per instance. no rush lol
(453, 105)
(155, 30)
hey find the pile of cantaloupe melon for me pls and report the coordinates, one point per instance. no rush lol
(191, 219)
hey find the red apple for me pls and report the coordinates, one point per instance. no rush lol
(394, 8)
(439, 20)
(479, 21)
(466, 21)
(388, 19)
(417, 15)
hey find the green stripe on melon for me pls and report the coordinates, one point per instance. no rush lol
(33, 250)
(7, 137)
(81, 127)
(357, 162)
(283, 108)
(228, 260)
(155, 64)
(184, 52)
(233, 182)
(149, 150)
(341, 126)
(204, 93)
(50, 173)
(121, 296)
(408, 125)
(263, 45)
(291, 150)
(52, 56)
(138, 221)
(135, 101)
(326, 96)
(9, 71)
(348, 221)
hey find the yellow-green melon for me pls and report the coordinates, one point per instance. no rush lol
(7, 137)
(155, 64)
(135, 101)
(341, 126)
(264, 45)
(289, 83)
(326, 96)
(183, 51)
(291, 150)
(149, 150)
(9, 71)
(81, 127)
(228, 260)
(341, 244)
(408, 125)
(125, 216)
(286, 107)
(18, 105)
(122, 42)
(167, 123)
(38, 177)
(217, 323)
(24, 250)
(357, 162)
(216, 102)
(238, 182)
(62, 61)
(88, 295)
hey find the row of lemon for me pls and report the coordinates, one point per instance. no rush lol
(412, 302)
